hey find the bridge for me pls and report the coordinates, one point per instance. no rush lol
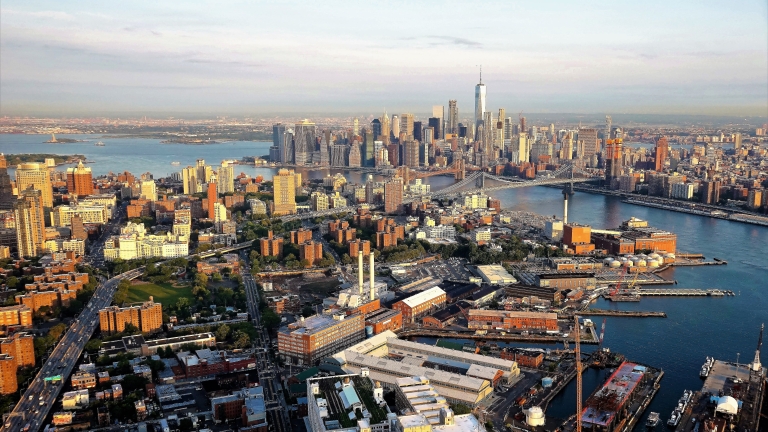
(483, 182)
(477, 182)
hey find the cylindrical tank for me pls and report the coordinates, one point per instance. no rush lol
(607, 260)
(624, 259)
(546, 382)
(641, 263)
(669, 255)
(653, 264)
(534, 416)
(368, 332)
(616, 264)
(628, 263)
(654, 255)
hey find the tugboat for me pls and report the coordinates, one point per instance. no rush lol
(175, 163)
(653, 420)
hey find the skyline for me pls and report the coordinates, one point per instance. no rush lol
(83, 58)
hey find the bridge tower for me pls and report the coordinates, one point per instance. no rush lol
(567, 193)
(461, 172)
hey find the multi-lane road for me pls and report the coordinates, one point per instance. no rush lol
(269, 375)
(40, 396)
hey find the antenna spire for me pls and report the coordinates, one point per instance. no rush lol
(481, 74)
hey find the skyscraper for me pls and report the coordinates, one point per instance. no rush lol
(204, 172)
(613, 170)
(37, 176)
(284, 186)
(406, 125)
(437, 126)
(591, 143)
(304, 138)
(410, 153)
(376, 126)
(385, 129)
(736, 141)
(278, 140)
(438, 111)
(355, 157)
(369, 151)
(395, 127)
(662, 153)
(355, 126)
(30, 222)
(453, 117)
(479, 103)
(226, 179)
(79, 180)
(6, 190)
(418, 133)
(607, 133)
(499, 132)
(287, 152)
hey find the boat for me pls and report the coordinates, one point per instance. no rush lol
(674, 419)
(175, 163)
(653, 420)
(706, 367)
(99, 144)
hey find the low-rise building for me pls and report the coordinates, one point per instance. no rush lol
(135, 243)
(421, 304)
(495, 274)
(83, 380)
(147, 317)
(480, 319)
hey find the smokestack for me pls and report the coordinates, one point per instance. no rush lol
(565, 209)
(370, 264)
(360, 271)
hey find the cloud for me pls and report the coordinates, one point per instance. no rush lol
(46, 14)
(436, 40)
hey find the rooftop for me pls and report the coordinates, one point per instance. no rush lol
(617, 389)
(512, 314)
(424, 296)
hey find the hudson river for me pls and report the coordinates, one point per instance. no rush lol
(695, 327)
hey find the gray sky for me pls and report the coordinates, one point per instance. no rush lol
(680, 56)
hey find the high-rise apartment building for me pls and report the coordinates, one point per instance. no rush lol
(21, 347)
(37, 176)
(410, 153)
(662, 153)
(453, 117)
(393, 195)
(284, 186)
(310, 252)
(613, 163)
(736, 141)
(591, 143)
(147, 317)
(19, 315)
(8, 383)
(479, 103)
(189, 180)
(304, 138)
(6, 189)
(204, 172)
(226, 178)
(79, 180)
(148, 190)
(30, 222)
(77, 228)
(271, 245)
(213, 198)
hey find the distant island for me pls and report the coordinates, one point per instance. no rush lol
(198, 137)
(193, 141)
(16, 159)
(55, 140)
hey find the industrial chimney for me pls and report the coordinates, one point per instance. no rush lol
(370, 264)
(360, 271)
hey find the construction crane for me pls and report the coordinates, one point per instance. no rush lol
(617, 287)
(577, 329)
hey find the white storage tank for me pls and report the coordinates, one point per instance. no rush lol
(534, 416)
(628, 264)
(654, 255)
(653, 263)
(641, 263)
(616, 264)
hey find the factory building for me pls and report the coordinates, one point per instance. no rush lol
(479, 319)
(420, 304)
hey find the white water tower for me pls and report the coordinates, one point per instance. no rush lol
(534, 416)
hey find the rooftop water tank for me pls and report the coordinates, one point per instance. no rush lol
(546, 382)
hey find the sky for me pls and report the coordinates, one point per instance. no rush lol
(252, 57)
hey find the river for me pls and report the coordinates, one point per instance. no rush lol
(694, 329)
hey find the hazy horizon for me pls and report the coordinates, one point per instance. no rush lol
(83, 58)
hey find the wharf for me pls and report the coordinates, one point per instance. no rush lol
(683, 292)
(614, 276)
(619, 313)
(694, 262)
(491, 335)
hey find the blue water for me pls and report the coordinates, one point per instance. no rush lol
(695, 327)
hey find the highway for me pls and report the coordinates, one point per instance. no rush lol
(269, 376)
(40, 396)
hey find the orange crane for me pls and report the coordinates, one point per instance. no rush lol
(617, 287)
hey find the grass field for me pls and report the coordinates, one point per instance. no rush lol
(163, 293)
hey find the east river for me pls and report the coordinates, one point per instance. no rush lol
(694, 329)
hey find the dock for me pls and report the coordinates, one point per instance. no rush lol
(491, 335)
(683, 292)
(619, 313)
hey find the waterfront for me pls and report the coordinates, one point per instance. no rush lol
(695, 327)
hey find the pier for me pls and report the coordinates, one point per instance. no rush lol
(683, 292)
(493, 336)
(619, 313)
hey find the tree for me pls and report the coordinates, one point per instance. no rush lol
(241, 339)
(12, 282)
(201, 279)
(217, 277)
(345, 259)
(222, 333)
(182, 303)
(269, 318)
(133, 382)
